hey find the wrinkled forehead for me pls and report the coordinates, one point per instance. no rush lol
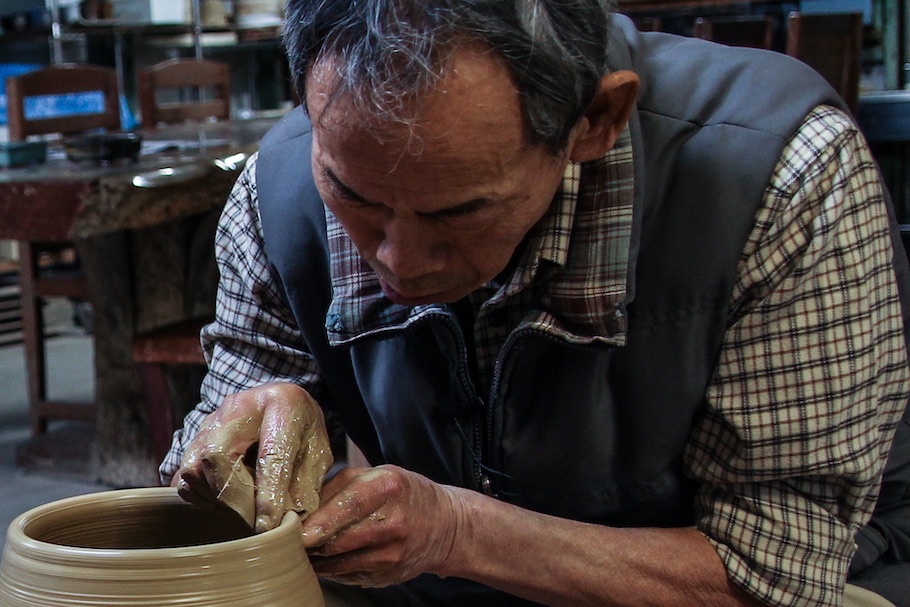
(335, 103)
(472, 116)
(381, 95)
(349, 133)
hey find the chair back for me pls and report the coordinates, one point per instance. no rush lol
(746, 30)
(178, 90)
(831, 44)
(62, 79)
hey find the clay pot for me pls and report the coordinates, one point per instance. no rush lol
(148, 547)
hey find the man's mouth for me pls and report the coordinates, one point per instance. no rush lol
(412, 298)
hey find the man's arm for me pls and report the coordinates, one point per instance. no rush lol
(812, 377)
(386, 525)
(254, 338)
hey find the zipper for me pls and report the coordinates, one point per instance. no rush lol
(506, 352)
(476, 441)
(483, 479)
(487, 443)
(480, 443)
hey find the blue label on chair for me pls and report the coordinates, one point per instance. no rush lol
(70, 104)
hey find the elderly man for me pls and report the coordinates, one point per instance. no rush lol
(617, 318)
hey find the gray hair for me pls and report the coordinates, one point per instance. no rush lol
(386, 51)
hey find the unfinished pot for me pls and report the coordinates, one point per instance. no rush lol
(148, 547)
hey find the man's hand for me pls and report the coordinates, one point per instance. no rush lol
(382, 526)
(282, 427)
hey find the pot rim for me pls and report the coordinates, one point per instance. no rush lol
(16, 533)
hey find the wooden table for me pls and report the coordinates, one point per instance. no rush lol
(146, 253)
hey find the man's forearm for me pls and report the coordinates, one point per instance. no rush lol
(560, 562)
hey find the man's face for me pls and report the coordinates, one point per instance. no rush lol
(438, 208)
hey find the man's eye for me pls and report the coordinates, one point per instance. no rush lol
(338, 189)
(353, 201)
(341, 192)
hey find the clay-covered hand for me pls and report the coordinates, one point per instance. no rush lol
(283, 429)
(383, 526)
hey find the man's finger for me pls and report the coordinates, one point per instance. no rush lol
(279, 443)
(313, 462)
(344, 508)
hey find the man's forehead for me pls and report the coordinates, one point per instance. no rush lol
(472, 117)
(336, 107)
(371, 101)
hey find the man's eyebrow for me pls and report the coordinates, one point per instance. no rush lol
(458, 210)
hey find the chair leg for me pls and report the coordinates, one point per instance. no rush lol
(159, 407)
(33, 335)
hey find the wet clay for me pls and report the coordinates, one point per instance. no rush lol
(286, 454)
(239, 493)
(310, 467)
(149, 547)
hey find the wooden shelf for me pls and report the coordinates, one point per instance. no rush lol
(163, 30)
(683, 6)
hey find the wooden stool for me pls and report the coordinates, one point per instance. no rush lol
(153, 351)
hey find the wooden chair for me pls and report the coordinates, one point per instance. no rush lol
(178, 90)
(745, 30)
(61, 80)
(36, 282)
(831, 44)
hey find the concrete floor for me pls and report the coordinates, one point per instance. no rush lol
(70, 356)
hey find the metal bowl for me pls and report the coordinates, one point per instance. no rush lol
(103, 148)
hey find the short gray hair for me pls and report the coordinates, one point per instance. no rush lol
(389, 50)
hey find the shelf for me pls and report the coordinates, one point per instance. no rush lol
(638, 6)
(110, 28)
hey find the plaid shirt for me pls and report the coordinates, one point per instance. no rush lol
(805, 397)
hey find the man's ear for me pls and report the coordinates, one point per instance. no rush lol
(605, 117)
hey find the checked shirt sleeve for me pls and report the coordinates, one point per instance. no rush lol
(812, 378)
(254, 338)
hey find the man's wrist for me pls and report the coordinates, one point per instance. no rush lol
(463, 514)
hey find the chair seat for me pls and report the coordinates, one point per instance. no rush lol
(176, 344)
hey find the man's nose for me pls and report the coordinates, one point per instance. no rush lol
(410, 249)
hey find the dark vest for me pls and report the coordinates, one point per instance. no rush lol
(590, 433)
